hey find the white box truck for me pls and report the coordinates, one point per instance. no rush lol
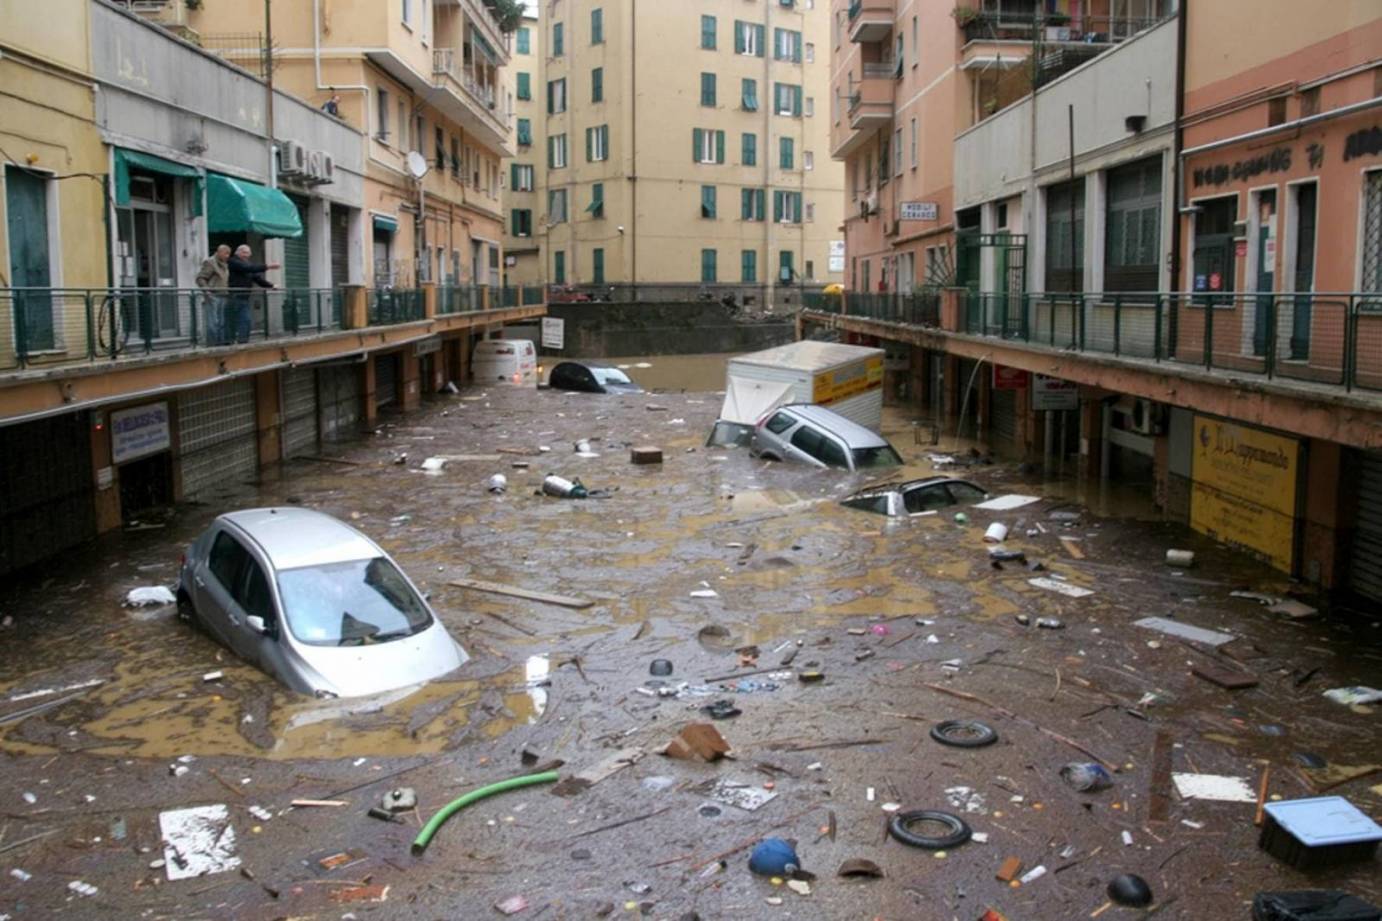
(847, 379)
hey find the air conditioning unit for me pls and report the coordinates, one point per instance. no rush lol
(314, 165)
(292, 159)
(328, 173)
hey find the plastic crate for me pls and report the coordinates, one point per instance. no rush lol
(1324, 831)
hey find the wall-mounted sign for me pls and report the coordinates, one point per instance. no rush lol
(427, 346)
(918, 211)
(1363, 143)
(1278, 161)
(553, 333)
(1243, 488)
(1005, 378)
(1054, 394)
(138, 432)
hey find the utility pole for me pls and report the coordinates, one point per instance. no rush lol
(269, 89)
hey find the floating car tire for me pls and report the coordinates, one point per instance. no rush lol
(899, 828)
(964, 733)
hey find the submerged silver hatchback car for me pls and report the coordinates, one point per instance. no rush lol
(314, 603)
(814, 435)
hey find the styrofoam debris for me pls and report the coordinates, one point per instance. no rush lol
(82, 888)
(1223, 788)
(198, 841)
(149, 595)
(1062, 588)
(21, 875)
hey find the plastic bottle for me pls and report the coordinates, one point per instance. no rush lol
(1086, 776)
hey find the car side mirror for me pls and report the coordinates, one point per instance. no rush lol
(256, 623)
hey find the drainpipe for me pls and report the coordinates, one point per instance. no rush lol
(269, 89)
(1176, 146)
(633, 178)
(317, 63)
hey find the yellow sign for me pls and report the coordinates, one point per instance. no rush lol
(1243, 489)
(843, 383)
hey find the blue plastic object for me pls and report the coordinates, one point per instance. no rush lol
(1324, 821)
(773, 857)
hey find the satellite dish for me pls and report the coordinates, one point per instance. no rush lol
(417, 164)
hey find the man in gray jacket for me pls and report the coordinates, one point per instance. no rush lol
(214, 279)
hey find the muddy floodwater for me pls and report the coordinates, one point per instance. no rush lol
(743, 574)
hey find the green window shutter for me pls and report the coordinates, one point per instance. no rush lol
(513, 175)
(597, 266)
(597, 26)
(785, 153)
(760, 198)
(708, 32)
(739, 36)
(524, 41)
(515, 222)
(697, 142)
(796, 101)
(796, 47)
(525, 86)
(604, 141)
(559, 267)
(558, 44)
(759, 33)
(596, 208)
(589, 144)
(784, 261)
(525, 131)
(708, 201)
(550, 84)
(750, 95)
(777, 206)
(708, 90)
(750, 151)
(597, 85)
(745, 204)
(708, 266)
(748, 266)
(719, 147)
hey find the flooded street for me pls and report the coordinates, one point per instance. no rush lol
(906, 620)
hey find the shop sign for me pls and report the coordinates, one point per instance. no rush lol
(1363, 143)
(1243, 488)
(1277, 161)
(1005, 378)
(138, 432)
(427, 346)
(1053, 394)
(918, 211)
(553, 333)
(834, 386)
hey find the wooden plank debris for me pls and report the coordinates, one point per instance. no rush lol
(514, 591)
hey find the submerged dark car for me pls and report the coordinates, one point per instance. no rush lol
(916, 497)
(587, 378)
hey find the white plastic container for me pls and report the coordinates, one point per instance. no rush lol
(996, 533)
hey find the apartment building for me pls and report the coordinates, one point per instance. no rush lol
(678, 143)
(526, 171)
(1141, 288)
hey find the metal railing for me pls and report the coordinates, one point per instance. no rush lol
(447, 62)
(387, 306)
(1332, 339)
(1054, 27)
(749, 296)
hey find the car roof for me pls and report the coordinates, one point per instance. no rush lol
(901, 485)
(292, 537)
(836, 424)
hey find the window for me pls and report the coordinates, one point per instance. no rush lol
(1064, 250)
(786, 45)
(914, 143)
(525, 85)
(810, 212)
(751, 204)
(402, 140)
(596, 208)
(785, 265)
(597, 27)
(1372, 235)
(420, 135)
(455, 158)
(556, 151)
(556, 96)
(227, 560)
(597, 144)
(810, 52)
(897, 152)
(1276, 110)
(808, 159)
(748, 266)
(522, 222)
(381, 97)
(1310, 102)
(525, 41)
(597, 263)
(749, 154)
(787, 99)
(708, 33)
(708, 266)
(525, 132)
(785, 154)
(810, 107)
(899, 55)
(558, 39)
(556, 206)
(439, 139)
(787, 207)
(810, 269)
(749, 95)
(597, 85)
(780, 423)
(708, 201)
(707, 145)
(708, 90)
(884, 144)
(521, 177)
(407, 12)
(916, 48)
(748, 39)
(559, 267)
(1133, 227)
(926, 499)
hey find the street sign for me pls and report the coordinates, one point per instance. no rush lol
(1052, 393)
(1005, 378)
(553, 333)
(919, 211)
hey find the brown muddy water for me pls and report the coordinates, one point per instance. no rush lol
(791, 570)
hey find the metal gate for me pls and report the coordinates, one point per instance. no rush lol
(1002, 311)
(338, 399)
(297, 251)
(1365, 566)
(1003, 416)
(46, 500)
(218, 441)
(385, 379)
(1372, 239)
(340, 246)
(299, 411)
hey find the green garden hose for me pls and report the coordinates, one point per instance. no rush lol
(424, 837)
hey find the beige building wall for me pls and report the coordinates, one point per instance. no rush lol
(652, 228)
(390, 72)
(523, 251)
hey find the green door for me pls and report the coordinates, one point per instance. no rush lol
(297, 252)
(26, 204)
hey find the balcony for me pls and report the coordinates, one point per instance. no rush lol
(869, 108)
(871, 20)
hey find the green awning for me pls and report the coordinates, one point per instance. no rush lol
(386, 224)
(125, 159)
(241, 206)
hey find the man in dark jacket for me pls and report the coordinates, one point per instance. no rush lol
(243, 277)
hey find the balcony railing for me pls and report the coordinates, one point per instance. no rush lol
(1319, 338)
(1054, 27)
(882, 70)
(388, 306)
(447, 62)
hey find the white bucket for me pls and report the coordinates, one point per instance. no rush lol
(996, 533)
(1180, 558)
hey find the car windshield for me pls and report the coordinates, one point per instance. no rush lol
(610, 376)
(880, 456)
(351, 604)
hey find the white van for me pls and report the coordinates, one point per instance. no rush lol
(505, 361)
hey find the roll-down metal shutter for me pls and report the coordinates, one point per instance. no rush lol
(340, 246)
(1003, 416)
(339, 401)
(385, 379)
(46, 494)
(1365, 567)
(218, 445)
(299, 411)
(297, 251)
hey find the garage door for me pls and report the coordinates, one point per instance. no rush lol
(385, 380)
(299, 411)
(218, 445)
(340, 401)
(46, 502)
(1003, 414)
(297, 251)
(1365, 568)
(340, 246)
